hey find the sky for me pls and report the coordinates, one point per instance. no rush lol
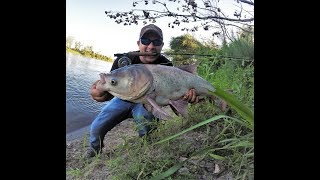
(87, 22)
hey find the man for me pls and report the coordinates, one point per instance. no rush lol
(117, 110)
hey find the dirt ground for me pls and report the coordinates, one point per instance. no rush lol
(76, 148)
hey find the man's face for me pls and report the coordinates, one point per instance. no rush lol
(146, 46)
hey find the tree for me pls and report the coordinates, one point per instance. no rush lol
(207, 14)
(88, 51)
(185, 44)
(69, 41)
(240, 50)
(78, 46)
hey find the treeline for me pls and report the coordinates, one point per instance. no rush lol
(239, 50)
(222, 65)
(77, 47)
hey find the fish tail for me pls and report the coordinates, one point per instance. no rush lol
(233, 102)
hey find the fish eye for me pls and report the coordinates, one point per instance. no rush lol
(113, 82)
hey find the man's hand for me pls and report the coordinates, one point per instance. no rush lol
(98, 95)
(191, 96)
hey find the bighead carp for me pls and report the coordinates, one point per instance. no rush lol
(155, 86)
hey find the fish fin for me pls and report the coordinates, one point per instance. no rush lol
(162, 116)
(192, 68)
(181, 106)
(157, 111)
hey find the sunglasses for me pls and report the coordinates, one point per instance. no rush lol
(146, 41)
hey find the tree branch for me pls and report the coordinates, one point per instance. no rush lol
(247, 2)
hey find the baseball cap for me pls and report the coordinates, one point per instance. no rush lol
(151, 27)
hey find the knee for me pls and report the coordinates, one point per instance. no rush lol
(142, 116)
(142, 113)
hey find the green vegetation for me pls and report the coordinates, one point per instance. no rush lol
(185, 44)
(208, 143)
(86, 51)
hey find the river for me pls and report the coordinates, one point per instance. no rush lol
(81, 72)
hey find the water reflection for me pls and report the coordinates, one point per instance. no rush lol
(81, 72)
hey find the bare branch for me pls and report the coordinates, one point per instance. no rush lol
(247, 2)
(204, 12)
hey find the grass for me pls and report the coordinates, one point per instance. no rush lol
(73, 51)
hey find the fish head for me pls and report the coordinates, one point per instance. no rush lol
(127, 83)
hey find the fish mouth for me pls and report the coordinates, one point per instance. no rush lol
(100, 84)
(102, 78)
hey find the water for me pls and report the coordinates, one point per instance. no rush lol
(81, 73)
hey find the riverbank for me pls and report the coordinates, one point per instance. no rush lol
(78, 134)
(124, 134)
(78, 142)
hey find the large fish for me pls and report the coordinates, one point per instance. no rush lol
(155, 86)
